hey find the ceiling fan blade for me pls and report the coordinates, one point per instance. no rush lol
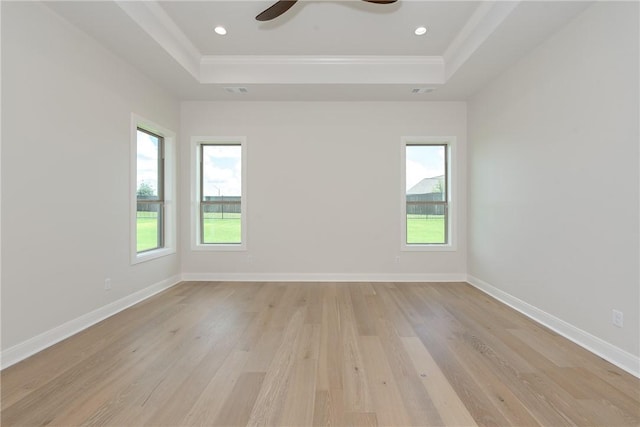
(380, 1)
(277, 9)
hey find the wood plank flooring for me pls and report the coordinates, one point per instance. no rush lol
(302, 354)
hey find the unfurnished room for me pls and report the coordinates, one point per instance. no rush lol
(320, 213)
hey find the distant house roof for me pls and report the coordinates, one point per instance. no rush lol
(427, 185)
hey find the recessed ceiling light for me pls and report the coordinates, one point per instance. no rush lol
(220, 30)
(236, 89)
(420, 31)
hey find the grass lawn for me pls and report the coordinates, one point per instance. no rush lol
(420, 229)
(147, 231)
(423, 229)
(222, 230)
(216, 229)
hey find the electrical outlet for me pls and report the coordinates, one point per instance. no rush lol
(617, 318)
(397, 260)
(107, 284)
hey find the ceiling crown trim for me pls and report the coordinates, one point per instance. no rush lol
(322, 59)
(296, 69)
(152, 18)
(482, 23)
(322, 70)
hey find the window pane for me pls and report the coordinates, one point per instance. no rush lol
(425, 227)
(426, 194)
(221, 223)
(149, 181)
(221, 194)
(148, 226)
(148, 166)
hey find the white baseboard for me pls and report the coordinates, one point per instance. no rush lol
(46, 339)
(621, 358)
(607, 351)
(322, 277)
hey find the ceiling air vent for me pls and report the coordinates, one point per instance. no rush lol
(236, 89)
(421, 90)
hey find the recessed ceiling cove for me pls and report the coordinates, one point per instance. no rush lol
(321, 49)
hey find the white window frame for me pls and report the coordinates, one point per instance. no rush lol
(452, 193)
(169, 232)
(196, 142)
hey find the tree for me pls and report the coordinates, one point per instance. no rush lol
(145, 190)
(439, 186)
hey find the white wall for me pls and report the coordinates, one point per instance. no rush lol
(323, 189)
(555, 130)
(553, 177)
(66, 112)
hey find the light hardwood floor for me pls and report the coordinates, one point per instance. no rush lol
(335, 354)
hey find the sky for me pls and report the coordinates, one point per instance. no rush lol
(423, 161)
(147, 160)
(222, 170)
(222, 166)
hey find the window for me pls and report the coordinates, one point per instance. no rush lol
(426, 204)
(153, 213)
(220, 188)
(150, 191)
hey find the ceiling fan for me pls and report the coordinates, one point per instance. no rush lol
(281, 6)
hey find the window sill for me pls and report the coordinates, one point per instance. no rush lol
(151, 255)
(219, 247)
(427, 248)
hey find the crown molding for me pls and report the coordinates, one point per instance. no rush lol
(321, 60)
(305, 69)
(152, 18)
(482, 23)
(296, 69)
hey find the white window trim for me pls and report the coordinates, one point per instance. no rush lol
(169, 189)
(196, 142)
(450, 141)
